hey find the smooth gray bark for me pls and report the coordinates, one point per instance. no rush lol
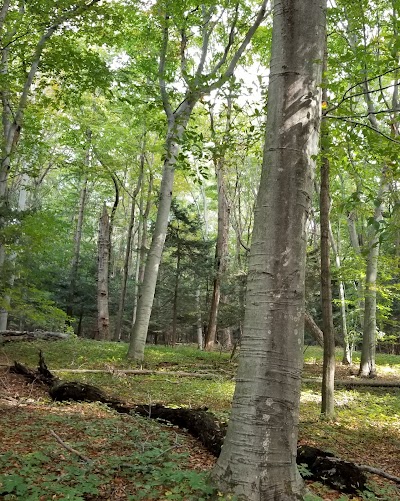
(258, 459)
(142, 246)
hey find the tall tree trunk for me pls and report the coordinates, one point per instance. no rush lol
(103, 318)
(77, 247)
(199, 321)
(367, 363)
(221, 248)
(121, 305)
(176, 294)
(11, 258)
(176, 128)
(328, 371)
(347, 350)
(142, 246)
(258, 460)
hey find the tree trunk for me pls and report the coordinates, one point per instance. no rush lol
(142, 245)
(121, 305)
(367, 363)
(176, 294)
(313, 329)
(11, 258)
(221, 248)
(328, 371)
(359, 286)
(199, 321)
(177, 126)
(77, 247)
(347, 350)
(258, 460)
(103, 319)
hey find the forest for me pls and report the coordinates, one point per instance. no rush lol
(199, 216)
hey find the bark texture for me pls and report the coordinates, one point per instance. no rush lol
(103, 319)
(258, 460)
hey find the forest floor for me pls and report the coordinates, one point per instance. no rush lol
(82, 451)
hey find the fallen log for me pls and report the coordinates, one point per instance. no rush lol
(324, 467)
(140, 372)
(356, 383)
(321, 466)
(8, 336)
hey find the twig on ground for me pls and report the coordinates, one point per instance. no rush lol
(378, 471)
(69, 448)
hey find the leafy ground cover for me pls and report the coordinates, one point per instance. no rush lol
(135, 458)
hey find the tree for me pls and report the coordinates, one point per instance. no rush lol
(221, 247)
(198, 84)
(329, 361)
(103, 319)
(258, 459)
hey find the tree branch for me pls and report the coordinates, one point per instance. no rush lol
(345, 96)
(344, 119)
(262, 14)
(206, 40)
(75, 11)
(3, 13)
(69, 448)
(161, 69)
(231, 39)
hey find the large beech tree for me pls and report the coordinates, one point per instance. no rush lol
(258, 459)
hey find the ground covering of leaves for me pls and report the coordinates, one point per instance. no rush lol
(133, 458)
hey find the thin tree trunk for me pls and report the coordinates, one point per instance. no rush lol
(103, 318)
(258, 459)
(367, 363)
(77, 246)
(328, 371)
(221, 247)
(142, 245)
(176, 294)
(199, 322)
(359, 286)
(177, 127)
(121, 305)
(347, 351)
(313, 328)
(11, 258)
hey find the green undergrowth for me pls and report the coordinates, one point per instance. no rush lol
(132, 455)
(89, 354)
(366, 428)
